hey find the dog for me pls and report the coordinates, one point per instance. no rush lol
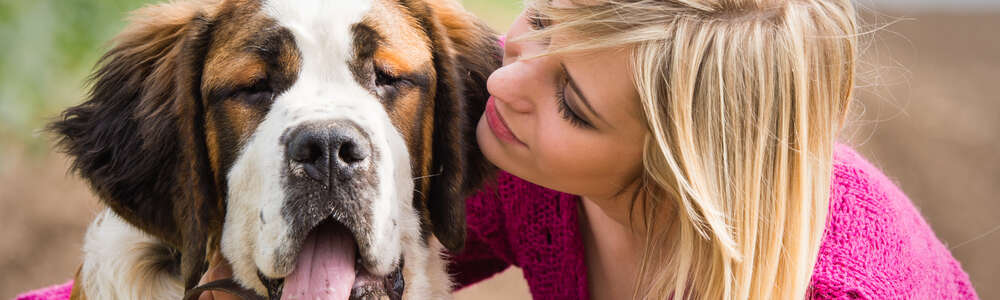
(321, 147)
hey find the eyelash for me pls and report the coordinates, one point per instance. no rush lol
(564, 110)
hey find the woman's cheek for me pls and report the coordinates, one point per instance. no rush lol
(568, 153)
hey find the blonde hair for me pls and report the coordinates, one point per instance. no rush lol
(743, 100)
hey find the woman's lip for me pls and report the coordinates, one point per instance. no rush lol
(498, 125)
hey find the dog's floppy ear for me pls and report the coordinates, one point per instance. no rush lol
(135, 140)
(466, 51)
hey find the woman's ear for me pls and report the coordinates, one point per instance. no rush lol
(465, 51)
(135, 138)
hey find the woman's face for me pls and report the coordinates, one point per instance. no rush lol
(571, 123)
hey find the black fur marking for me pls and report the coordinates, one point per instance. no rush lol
(462, 66)
(139, 137)
(139, 140)
(201, 211)
(123, 138)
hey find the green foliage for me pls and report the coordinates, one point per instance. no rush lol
(50, 46)
(497, 13)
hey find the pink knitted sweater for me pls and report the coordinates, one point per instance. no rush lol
(876, 245)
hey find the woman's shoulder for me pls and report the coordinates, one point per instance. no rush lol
(877, 245)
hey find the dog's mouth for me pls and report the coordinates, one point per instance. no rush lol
(328, 267)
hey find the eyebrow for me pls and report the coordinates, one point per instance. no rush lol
(576, 90)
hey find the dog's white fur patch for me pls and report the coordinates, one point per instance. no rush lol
(120, 262)
(426, 270)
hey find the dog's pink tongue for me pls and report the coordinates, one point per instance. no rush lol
(325, 267)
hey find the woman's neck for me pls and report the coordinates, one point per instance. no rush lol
(612, 250)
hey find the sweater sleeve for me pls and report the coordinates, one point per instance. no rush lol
(487, 250)
(877, 245)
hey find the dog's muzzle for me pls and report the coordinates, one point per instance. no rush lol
(331, 184)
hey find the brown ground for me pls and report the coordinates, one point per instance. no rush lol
(931, 123)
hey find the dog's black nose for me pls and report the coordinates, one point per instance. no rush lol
(328, 149)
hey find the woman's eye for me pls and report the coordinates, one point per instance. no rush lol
(565, 111)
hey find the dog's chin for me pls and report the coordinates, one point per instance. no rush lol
(328, 266)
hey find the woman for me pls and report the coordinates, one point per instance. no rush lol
(692, 144)
(656, 149)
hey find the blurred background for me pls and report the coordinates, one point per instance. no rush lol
(927, 112)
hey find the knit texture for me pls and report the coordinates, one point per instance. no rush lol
(875, 245)
(56, 292)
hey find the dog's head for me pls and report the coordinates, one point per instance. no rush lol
(257, 125)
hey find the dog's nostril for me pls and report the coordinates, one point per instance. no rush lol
(306, 150)
(351, 153)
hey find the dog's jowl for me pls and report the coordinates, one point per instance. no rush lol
(323, 148)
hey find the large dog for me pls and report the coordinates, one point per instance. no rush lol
(321, 146)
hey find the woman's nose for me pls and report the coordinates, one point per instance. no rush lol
(512, 86)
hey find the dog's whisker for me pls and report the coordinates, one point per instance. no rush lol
(425, 177)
